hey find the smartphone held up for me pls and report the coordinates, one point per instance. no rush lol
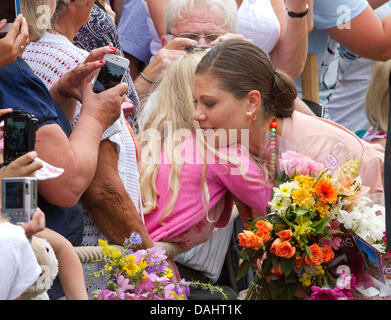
(9, 9)
(112, 73)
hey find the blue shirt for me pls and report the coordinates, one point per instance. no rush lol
(21, 89)
(328, 14)
(133, 31)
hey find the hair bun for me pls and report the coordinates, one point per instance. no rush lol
(284, 94)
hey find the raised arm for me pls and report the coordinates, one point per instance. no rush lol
(156, 10)
(290, 53)
(366, 35)
(78, 154)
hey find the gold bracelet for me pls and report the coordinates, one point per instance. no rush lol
(148, 80)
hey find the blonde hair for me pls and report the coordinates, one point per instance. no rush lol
(37, 14)
(377, 98)
(173, 102)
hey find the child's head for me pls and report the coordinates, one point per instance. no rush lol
(377, 98)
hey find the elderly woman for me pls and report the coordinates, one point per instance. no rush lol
(112, 201)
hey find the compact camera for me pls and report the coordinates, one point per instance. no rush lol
(19, 134)
(19, 198)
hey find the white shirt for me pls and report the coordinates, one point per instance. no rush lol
(19, 268)
(258, 21)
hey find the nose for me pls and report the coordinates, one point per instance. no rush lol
(202, 41)
(198, 115)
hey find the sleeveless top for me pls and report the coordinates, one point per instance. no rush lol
(258, 21)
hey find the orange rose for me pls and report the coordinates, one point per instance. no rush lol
(317, 255)
(285, 250)
(264, 225)
(328, 254)
(277, 271)
(285, 235)
(249, 239)
(274, 245)
(299, 262)
(264, 229)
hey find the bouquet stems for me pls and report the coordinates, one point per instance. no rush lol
(258, 290)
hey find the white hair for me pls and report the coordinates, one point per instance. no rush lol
(177, 8)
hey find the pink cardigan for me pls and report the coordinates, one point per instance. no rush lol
(317, 138)
(189, 209)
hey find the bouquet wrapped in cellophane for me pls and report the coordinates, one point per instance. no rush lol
(292, 247)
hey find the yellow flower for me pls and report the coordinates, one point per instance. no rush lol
(97, 275)
(285, 190)
(302, 229)
(116, 254)
(319, 270)
(130, 266)
(302, 197)
(305, 182)
(131, 269)
(306, 279)
(168, 273)
(108, 268)
(142, 264)
(322, 208)
(181, 297)
(106, 249)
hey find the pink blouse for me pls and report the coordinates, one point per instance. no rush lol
(321, 139)
(189, 214)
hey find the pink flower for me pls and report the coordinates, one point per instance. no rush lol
(334, 243)
(292, 163)
(322, 294)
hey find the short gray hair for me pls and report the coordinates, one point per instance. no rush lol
(176, 8)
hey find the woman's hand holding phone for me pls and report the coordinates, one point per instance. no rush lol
(13, 44)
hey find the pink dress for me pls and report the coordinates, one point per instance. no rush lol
(188, 224)
(326, 141)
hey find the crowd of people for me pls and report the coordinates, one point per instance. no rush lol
(182, 148)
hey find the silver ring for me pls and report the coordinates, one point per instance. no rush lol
(22, 47)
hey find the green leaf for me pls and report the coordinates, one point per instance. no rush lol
(266, 267)
(274, 259)
(320, 225)
(246, 254)
(307, 251)
(243, 270)
(301, 212)
(279, 227)
(287, 265)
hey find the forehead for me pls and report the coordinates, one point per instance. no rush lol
(202, 19)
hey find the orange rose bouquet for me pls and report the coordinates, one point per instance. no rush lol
(293, 245)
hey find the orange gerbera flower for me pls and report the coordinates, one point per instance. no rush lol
(325, 190)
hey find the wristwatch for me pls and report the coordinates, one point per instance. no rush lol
(298, 15)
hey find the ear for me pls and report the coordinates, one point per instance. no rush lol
(254, 100)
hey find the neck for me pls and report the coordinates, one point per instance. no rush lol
(259, 134)
(66, 27)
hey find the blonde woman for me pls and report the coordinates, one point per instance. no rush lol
(186, 184)
(377, 103)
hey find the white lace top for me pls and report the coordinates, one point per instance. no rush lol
(50, 58)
